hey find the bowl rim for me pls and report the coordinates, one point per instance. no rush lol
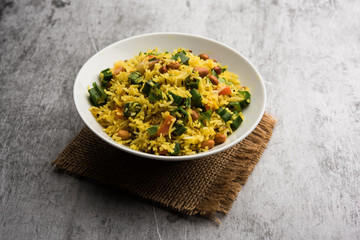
(182, 157)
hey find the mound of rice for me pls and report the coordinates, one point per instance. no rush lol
(128, 106)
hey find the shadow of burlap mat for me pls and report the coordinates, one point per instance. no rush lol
(202, 186)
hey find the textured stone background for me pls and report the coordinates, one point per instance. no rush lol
(306, 185)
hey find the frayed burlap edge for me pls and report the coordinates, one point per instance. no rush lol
(233, 177)
(224, 190)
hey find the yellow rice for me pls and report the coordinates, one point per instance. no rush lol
(121, 91)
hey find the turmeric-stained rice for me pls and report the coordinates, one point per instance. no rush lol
(169, 103)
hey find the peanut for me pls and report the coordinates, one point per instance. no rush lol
(209, 143)
(203, 71)
(118, 69)
(163, 70)
(219, 138)
(194, 115)
(204, 56)
(218, 70)
(125, 135)
(174, 65)
(214, 80)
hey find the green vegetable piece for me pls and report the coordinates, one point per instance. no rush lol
(148, 86)
(246, 98)
(223, 69)
(219, 110)
(135, 78)
(97, 95)
(207, 114)
(196, 98)
(183, 58)
(177, 99)
(187, 102)
(176, 149)
(179, 129)
(131, 109)
(236, 123)
(155, 53)
(182, 112)
(152, 130)
(152, 59)
(191, 83)
(214, 73)
(155, 95)
(224, 114)
(235, 106)
(175, 56)
(105, 77)
(223, 80)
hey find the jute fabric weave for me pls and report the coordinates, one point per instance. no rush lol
(202, 186)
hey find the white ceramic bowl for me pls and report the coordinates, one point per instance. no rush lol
(129, 47)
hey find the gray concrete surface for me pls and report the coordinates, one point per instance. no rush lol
(306, 185)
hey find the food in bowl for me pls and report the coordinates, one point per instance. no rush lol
(169, 103)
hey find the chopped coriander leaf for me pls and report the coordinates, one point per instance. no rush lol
(97, 95)
(152, 59)
(152, 130)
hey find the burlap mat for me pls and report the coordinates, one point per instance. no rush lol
(202, 186)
